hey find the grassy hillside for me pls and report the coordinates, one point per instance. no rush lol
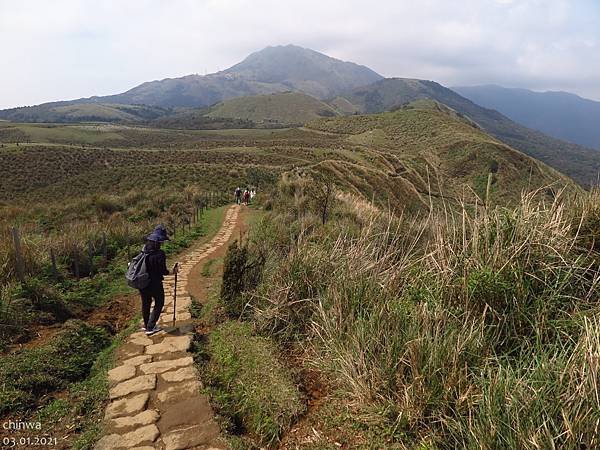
(402, 157)
(84, 195)
(284, 108)
(464, 328)
(580, 163)
(433, 150)
(85, 112)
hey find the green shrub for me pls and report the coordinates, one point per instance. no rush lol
(44, 298)
(106, 205)
(249, 383)
(240, 274)
(233, 284)
(29, 374)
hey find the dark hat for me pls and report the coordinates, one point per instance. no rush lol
(158, 235)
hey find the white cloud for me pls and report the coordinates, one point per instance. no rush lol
(74, 48)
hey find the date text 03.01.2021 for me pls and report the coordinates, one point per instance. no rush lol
(28, 441)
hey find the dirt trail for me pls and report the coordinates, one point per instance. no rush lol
(155, 390)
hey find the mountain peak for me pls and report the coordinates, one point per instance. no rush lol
(303, 69)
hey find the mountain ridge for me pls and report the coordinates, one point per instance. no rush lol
(560, 114)
(348, 87)
(272, 69)
(580, 163)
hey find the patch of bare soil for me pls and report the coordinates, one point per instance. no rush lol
(307, 432)
(112, 316)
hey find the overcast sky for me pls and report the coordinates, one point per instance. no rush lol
(65, 49)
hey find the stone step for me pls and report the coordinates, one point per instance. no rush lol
(156, 379)
(170, 344)
(166, 365)
(148, 433)
(133, 385)
(127, 406)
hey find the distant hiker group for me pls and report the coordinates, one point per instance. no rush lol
(244, 196)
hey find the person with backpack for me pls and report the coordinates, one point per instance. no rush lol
(146, 273)
(238, 195)
(247, 196)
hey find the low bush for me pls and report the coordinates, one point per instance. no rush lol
(29, 374)
(251, 387)
(240, 274)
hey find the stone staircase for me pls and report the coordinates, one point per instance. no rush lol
(155, 398)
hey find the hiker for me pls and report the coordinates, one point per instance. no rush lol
(156, 266)
(246, 196)
(252, 193)
(238, 195)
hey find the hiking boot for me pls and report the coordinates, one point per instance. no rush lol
(154, 330)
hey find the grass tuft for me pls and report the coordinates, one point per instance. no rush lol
(249, 384)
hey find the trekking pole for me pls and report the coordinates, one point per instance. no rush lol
(175, 293)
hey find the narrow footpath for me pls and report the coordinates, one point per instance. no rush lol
(155, 395)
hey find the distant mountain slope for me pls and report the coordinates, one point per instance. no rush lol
(558, 114)
(284, 108)
(429, 147)
(273, 69)
(190, 91)
(580, 163)
(65, 112)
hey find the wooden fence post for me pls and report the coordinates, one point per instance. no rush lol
(76, 260)
(91, 257)
(104, 248)
(488, 189)
(53, 261)
(19, 266)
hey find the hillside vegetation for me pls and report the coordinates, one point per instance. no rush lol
(291, 108)
(67, 185)
(347, 88)
(402, 157)
(433, 151)
(580, 163)
(65, 112)
(460, 328)
(402, 278)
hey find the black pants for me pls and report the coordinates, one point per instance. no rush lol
(156, 293)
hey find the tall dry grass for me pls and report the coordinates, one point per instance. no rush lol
(470, 327)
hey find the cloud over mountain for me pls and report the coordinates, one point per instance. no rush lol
(69, 49)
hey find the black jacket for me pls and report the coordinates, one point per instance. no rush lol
(156, 265)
